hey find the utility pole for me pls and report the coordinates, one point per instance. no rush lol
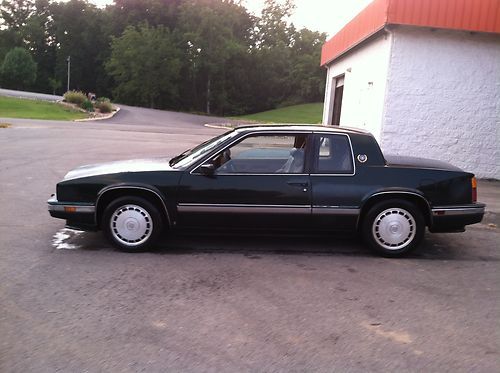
(69, 69)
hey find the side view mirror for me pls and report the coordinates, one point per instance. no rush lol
(207, 169)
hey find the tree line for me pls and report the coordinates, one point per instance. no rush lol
(208, 56)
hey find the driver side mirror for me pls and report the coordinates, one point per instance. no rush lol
(207, 169)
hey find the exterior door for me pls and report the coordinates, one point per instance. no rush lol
(259, 182)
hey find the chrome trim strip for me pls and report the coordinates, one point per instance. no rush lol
(250, 174)
(84, 209)
(241, 138)
(243, 208)
(401, 192)
(307, 132)
(458, 210)
(105, 190)
(335, 210)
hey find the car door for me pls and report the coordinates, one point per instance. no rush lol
(333, 183)
(259, 181)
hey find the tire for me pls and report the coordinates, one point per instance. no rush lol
(393, 228)
(132, 224)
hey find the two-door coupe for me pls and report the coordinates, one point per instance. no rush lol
(273, 177)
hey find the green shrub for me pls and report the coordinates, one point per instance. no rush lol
(103, 99)
(75, 97)
(87, 105)
(104, 106)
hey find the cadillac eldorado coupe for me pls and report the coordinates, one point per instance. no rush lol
(295, 178)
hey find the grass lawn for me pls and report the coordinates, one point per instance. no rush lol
(305, 113)
(11, 107)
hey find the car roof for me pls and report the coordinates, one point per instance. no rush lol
(301, 127)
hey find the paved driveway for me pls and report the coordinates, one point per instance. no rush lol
(221, 303)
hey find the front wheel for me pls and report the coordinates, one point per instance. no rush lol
(132, 224)
(393, 228)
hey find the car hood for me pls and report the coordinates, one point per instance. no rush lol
(133, 165)
(414, 162)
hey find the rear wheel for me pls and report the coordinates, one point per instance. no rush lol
(132, 224)
(393, 228)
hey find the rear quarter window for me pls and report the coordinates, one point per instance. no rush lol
(334, 155)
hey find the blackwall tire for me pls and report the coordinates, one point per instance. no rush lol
(132, 224)
(393, 228)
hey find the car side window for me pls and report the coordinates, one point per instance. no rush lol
(334, 155)
(263, 154)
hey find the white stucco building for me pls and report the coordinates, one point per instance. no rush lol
(423, 77)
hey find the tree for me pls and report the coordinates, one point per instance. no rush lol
(145, 65)
(54, 84)
(77, 29)
(18, 69)
(15, 13)
(216, 34)
(307, 78)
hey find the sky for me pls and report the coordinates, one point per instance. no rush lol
(318, 15)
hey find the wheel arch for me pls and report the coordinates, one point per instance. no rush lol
(413, 197)
(110, 193)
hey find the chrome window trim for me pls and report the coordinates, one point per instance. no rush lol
(310, 132)
(238, 139)
(105, 190)
(249, 174)
(352, 156)
(243, 208)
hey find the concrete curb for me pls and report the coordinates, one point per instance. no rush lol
(110, 115)
(219, 126)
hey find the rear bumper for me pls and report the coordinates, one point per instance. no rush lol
(77, 215)
(455, 218)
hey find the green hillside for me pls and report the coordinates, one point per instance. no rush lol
(11, 107)
(304, 113)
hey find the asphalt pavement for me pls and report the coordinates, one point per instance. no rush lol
(31, 95)
(225, 303)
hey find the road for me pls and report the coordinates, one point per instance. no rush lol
(69, 302)
(130, 115)
(32, 95)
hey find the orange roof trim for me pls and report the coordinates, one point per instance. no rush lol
(465, 15)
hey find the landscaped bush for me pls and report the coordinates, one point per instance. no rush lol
(102, 99)
(104, 106)
(75, 97)
(87, 105)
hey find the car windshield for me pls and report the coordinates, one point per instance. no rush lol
(191, 155)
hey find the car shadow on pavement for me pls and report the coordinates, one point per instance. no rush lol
(433, 247)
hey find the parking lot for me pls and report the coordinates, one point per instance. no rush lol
(70, 302)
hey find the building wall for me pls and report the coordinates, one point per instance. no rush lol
(365, 70)
(443, 98)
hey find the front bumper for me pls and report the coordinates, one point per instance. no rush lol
(455, 218)
(77, 215)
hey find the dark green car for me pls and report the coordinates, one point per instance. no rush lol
(269, 178)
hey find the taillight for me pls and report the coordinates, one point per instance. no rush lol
(474, 189)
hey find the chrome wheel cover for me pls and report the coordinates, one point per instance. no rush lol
(394, 228)
(131, 225)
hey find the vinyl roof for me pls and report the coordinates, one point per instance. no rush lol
(464, 15)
